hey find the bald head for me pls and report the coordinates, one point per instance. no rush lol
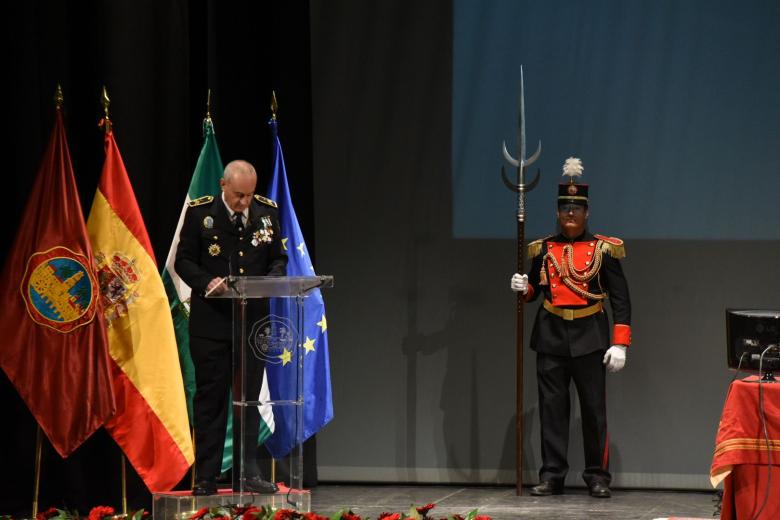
(238, 167)
(238, 185)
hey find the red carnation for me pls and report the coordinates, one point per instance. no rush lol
(285, 514)
(389, 516)
(200, 513)
(99, 512)
(424, 509)
(52, 511)
(314, 516)
(482, 517)
(350, 516)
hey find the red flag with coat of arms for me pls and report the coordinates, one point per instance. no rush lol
(54, 347)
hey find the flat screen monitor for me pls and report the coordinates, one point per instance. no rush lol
(749, 332)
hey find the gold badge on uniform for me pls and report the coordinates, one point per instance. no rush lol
(208, 222)
(214, 249)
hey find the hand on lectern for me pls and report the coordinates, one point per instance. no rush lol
(216, 286)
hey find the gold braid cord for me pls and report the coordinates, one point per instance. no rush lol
(567, 271)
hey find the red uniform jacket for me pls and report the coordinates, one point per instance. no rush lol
(578, 274)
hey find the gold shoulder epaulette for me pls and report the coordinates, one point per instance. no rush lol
(535, 247)
(612, 246)
(265, 200)
(201, 200)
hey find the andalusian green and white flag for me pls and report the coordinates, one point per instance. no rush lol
(205, 181)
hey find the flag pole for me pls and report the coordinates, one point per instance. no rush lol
(274, 108)
(521, 187)
(124, 484)
(106, 124)
(194, 452)
(58, 102)
(193, 475)
(37, 484)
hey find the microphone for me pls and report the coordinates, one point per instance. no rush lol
(232, 278)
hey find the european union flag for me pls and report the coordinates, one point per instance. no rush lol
(282, 381)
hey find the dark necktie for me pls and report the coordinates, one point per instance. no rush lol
(238, 222)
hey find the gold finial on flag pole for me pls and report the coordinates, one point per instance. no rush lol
(207, 123)
(58, 97)
(106, 103)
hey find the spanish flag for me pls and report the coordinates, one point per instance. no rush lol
(150, 424)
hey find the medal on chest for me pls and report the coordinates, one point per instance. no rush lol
(265, 233)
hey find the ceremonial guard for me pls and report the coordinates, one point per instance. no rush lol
(234, 234)
(575, 272)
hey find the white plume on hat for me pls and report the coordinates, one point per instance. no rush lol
(572, 168)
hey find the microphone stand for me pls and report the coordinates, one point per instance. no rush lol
(239, 380)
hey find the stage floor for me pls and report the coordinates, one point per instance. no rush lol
(501, 503)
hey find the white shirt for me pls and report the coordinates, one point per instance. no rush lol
(244, 214)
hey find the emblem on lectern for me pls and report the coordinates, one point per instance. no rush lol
(273, 339)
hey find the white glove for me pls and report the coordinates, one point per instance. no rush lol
(615, 358)
(519, 283)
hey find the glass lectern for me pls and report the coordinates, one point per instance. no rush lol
(268, 328)
(268, 324)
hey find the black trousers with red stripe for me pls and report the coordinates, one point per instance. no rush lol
(554, 375)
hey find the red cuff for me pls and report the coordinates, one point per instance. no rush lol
(621, 334)
(529, 294)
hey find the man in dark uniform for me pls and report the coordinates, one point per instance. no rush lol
(575, 271)
(234, 234)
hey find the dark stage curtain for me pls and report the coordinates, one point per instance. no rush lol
(157, 59)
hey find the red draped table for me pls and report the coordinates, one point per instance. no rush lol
(742, 453)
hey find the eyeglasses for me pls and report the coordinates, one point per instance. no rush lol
(571, 208)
